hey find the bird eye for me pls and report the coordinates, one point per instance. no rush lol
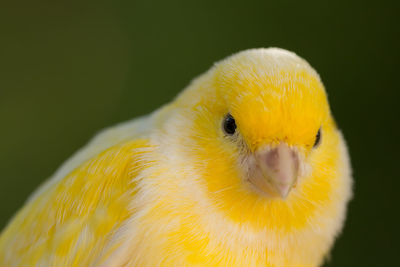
(317, 138)
(229, 124)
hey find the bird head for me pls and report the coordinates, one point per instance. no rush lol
(261, 133)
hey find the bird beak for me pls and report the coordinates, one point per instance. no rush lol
(277, 170)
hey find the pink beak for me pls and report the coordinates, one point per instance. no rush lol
(279, 168)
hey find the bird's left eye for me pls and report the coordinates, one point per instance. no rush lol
(317, 138)
(229, 124)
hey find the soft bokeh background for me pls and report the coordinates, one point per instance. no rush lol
(71, 68)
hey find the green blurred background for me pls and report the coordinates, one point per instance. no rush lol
(71, 68)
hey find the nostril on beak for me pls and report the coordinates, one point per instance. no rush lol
(272, 159)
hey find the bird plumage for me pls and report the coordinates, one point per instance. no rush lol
(172, 188)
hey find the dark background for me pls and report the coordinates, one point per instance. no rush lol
(70, 68)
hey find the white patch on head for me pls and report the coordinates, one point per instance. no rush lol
(269, 62)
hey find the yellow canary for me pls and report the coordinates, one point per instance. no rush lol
(246, 167)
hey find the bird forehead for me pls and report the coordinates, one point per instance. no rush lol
(286, 89)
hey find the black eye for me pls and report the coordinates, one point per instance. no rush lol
(229, 124)
(317, 138)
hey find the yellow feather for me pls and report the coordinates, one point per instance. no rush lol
(70, 223)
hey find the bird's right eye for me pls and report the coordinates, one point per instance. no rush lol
(317, 138)
(229, 124)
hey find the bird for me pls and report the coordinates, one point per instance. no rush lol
(245, 167)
